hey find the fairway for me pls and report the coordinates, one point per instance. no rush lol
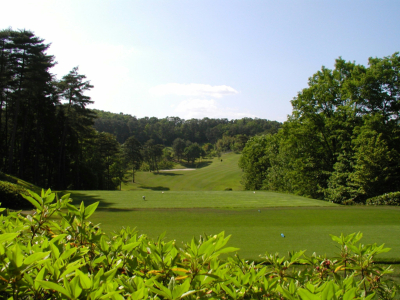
(191, 199)
(255, 220)
(209, 175)
(187, 204)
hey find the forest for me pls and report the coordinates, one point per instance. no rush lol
(342, 141)
(50, 137)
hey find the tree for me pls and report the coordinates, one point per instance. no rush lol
(108, 147)
(178, 146)
(254, 162)
(76, 119)
(132, 154)
(342, 140)
(152, 153)
(28, 124)
(192, 152)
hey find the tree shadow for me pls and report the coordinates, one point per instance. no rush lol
(197, 165)
(166, 173)
(77, 198)
(155, 188)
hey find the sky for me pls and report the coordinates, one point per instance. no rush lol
(208, 58)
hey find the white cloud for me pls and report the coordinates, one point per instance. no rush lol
(193, 89)
(201, 108)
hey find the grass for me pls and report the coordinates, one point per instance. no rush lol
(257, 232)
(255, 220)
(193, 199)
(189, 203)
(210, 175)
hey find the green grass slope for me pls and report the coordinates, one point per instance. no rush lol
(212, 175)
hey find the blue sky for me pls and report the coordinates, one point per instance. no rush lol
(195, 59)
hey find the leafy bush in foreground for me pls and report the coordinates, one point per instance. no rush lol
(68, 257)
(385, 199)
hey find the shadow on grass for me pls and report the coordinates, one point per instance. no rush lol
(197, 165)
(77, 198)
(154, 188)
(166, 174)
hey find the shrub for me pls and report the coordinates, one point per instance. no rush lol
(385, 199)
(5, 177)
(68, 257)
(10, 195)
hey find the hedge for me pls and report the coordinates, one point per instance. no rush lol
(68, 257)
(385, 199)
(10, 195)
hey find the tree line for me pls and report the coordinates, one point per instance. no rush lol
(341, 142)
(49, 136)
(166, 130)
(46, 130)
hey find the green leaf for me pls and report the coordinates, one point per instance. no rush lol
(103, 244)
(161, 293)
(48, 285)
(110, 295)
(75, 287)
(72, 208)
(35, 257)
(40, 276)
(369, 297)
(336, 239)
(49, 198)
(86, 283)
(5, 237)
(109, 276)
(66, 254)
(55, 250)
(37, 197)
(227, 250)
(306, 295)
(89, 210)
(57, 238)
(33, 201)
(329, 291)
(71, 268)
(131, 246)
(15, 255)
(350, 294)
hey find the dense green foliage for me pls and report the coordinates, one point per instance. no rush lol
(72, 259)
(46, 133)
(342, 140)
(10, 195)
(385, 199)
(165, 131)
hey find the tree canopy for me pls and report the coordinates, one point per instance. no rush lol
(341, 141)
